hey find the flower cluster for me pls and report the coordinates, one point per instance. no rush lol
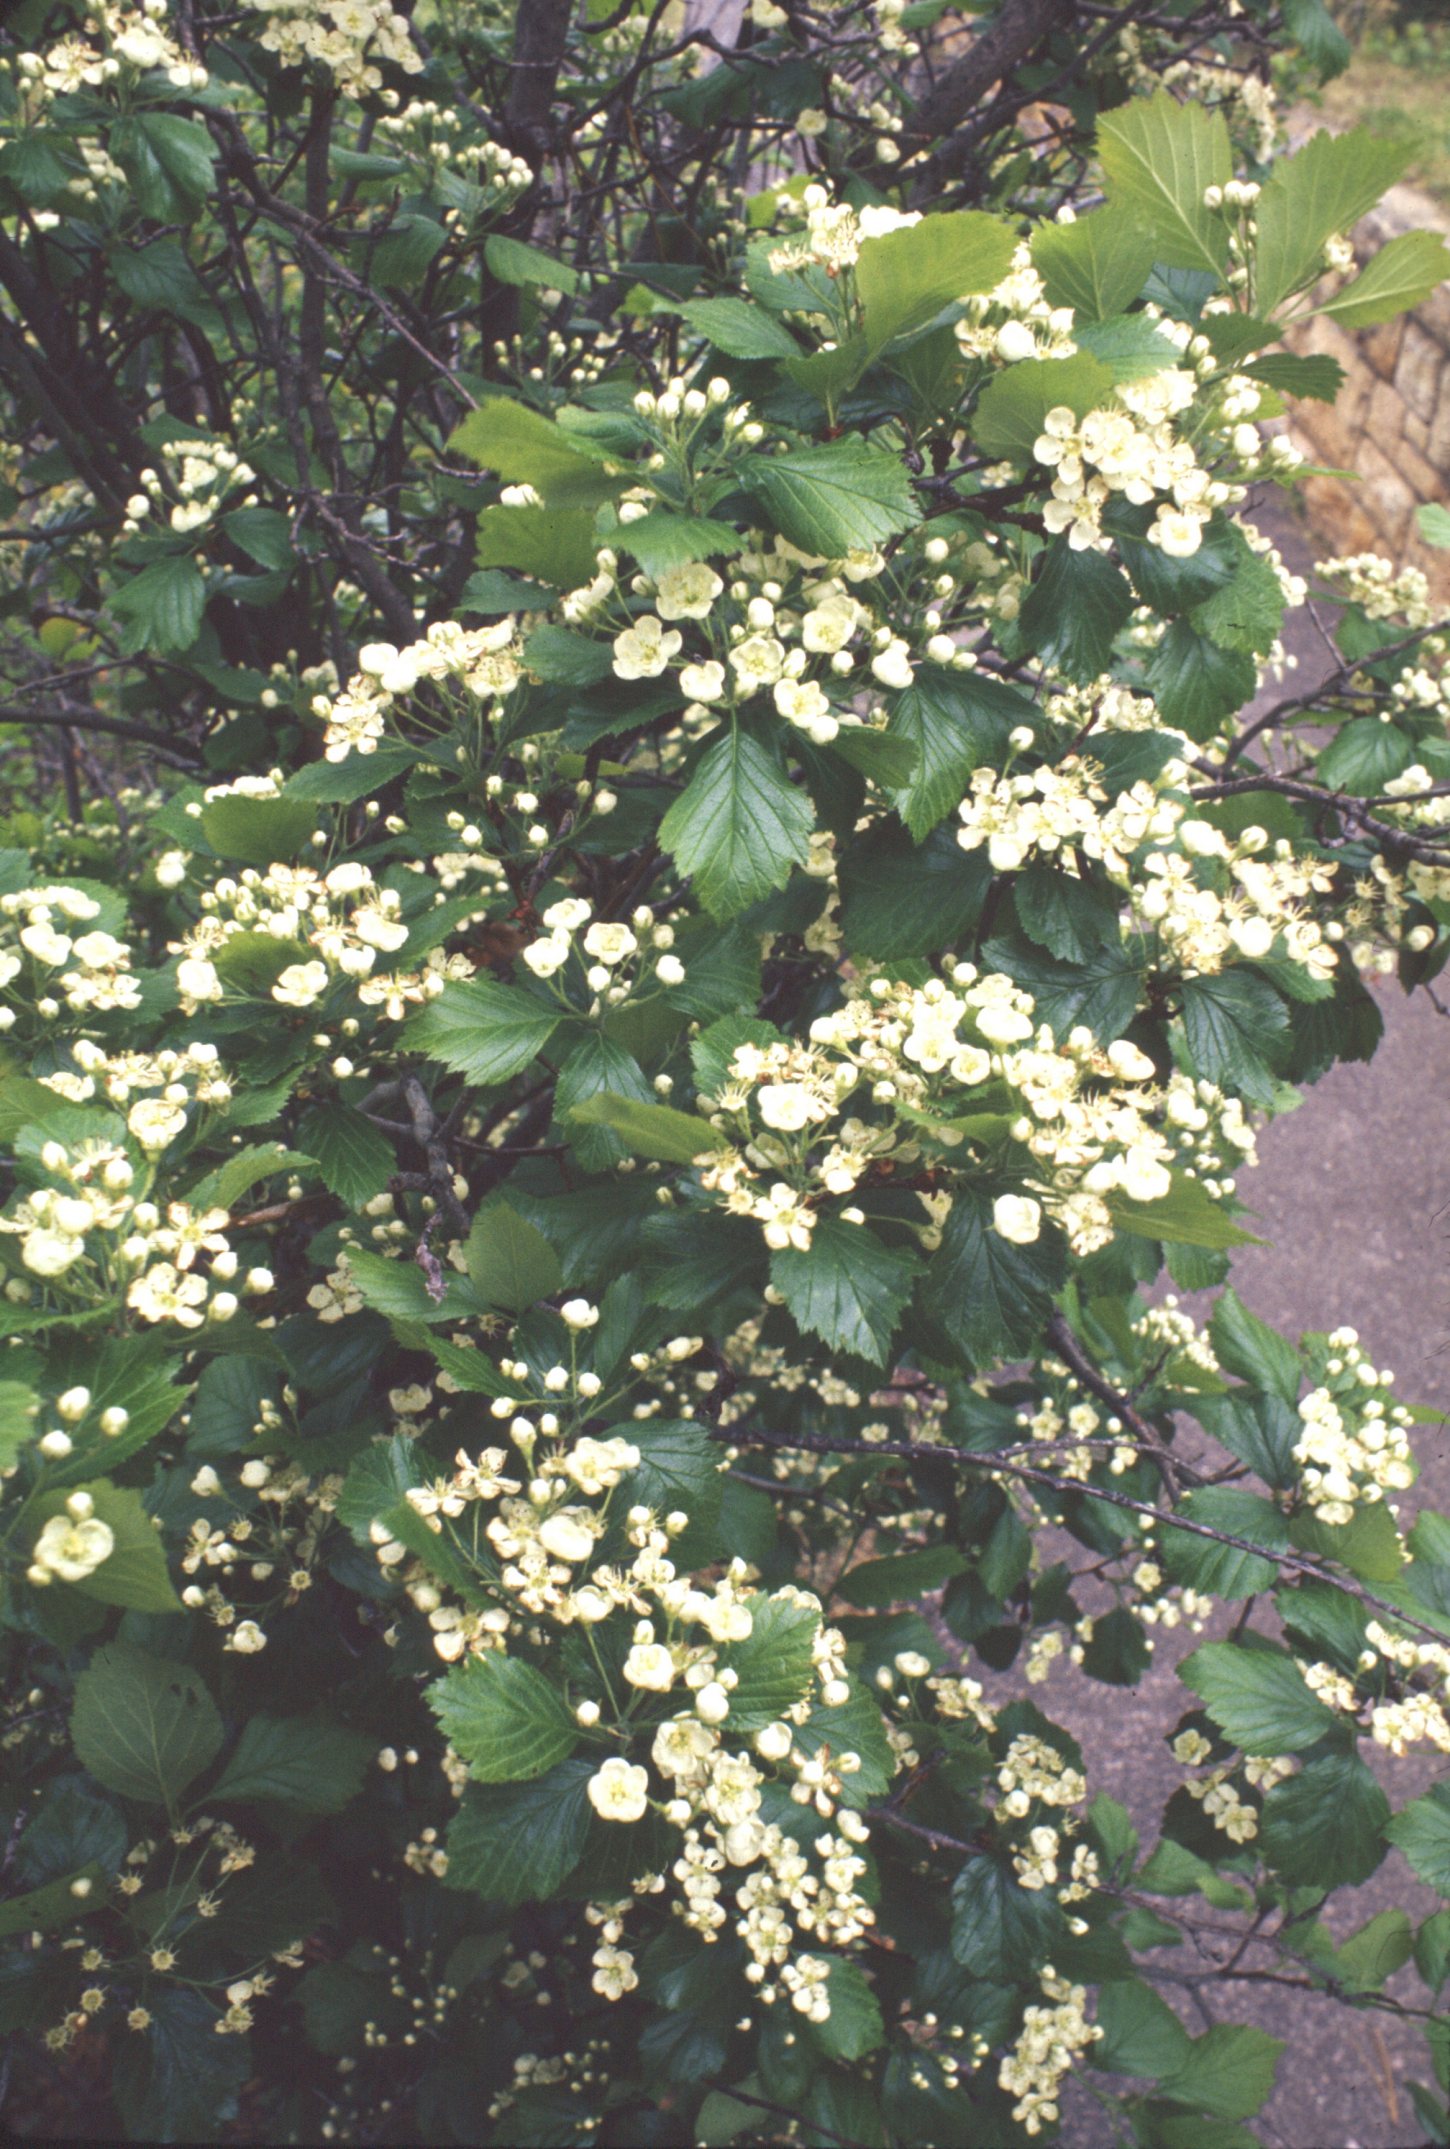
(352, 39)
(1355, 1445)
(486, 661)
(47, 964)
(201, 473)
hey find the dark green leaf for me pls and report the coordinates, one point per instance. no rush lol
(846, 1287)
(142, 1726)
(310, 1764)
(1323, 1827)
(515, 1843)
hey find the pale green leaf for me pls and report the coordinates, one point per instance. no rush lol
(1160, 157)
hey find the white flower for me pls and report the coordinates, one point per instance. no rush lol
(614, 1972)
(578, 1313)
(758, 662)
(247, 1638)
(70, 1549)
(802, 702)
(892, 665)
(197, 979)
(1178, 535)
(619, 1791)
(703, 682)
(546, 956)
(650, 1665)
(300, 984)
(789, 1106)
(154, 1122)
(830, 625)
(644, 650)
(1016, 1217)
(1015, 341)
(712, 1703)
(567, 916)
(609, 944)
(50, 1253)
(567, 1535)
(687, 592)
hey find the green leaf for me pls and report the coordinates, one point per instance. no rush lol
(1246, 612)
(51, 1906)
(143, 1726)
(847, 1288)
(739, 825)
(1433, 523)
(554, 545)
(1382, 1945)
(1159, 158)
(179, 2081)
(1077, 606)
(1320, 377)
(406, 250)
(1229, 2072)
(72, 1829)
(375, 1484)
(679, 1470)
(510, 1262)
(1422, 1832)
(1365, 755)
(1258, 1698)
(1230, 1022)
(1101, 993)
(985, 1292)
(1070, 914)
(1312, 27)
(953, 721)
(1245, 1345)
(1141, 2034)
(19, 1406)
(310, 1764)
(1222, 1570)
(834, 500)
(1188, 1215)
(651, 1130)
(901, 898)
(1014, 403)
(263, 534)
(1323, 1828)
(1097, 265)
(1131, 346)
(258, 831)
(739, 329)
(503, 1717)
(660, 540)
(134, 1573)
(904, 278)
(515, 1843)
(524, 447)
(512, 261)
(483, 1030)
(183, 149)
(901, 1577)
(1001, 1930)
(854, 2026)
(1400, 276)
(161, 606)
(355, 1159)
(1195, 683)
(1322, 190)
(597, 1067)
(774, 1665)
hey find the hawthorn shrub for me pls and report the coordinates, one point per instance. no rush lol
(641, 912)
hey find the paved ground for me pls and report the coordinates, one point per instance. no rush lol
(1352, 1196)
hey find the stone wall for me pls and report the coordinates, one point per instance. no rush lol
(1391, 425)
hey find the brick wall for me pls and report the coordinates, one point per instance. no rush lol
(1391, 425)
